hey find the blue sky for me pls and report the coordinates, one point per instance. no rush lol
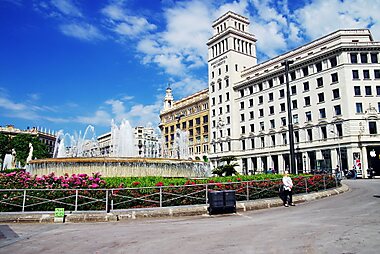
(65, 64)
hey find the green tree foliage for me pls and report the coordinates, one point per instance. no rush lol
(21, 144)
(4, 145)
(227, 169)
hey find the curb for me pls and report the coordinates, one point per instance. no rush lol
(132, 214)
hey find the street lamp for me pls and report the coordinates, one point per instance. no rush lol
(339, 152)
(304, 163)
(292, 165)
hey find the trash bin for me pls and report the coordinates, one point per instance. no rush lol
(222, 201)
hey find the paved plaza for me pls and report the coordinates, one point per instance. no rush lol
(346, 223)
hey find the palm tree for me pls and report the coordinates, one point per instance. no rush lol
(227, 169)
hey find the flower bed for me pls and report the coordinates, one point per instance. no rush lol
(21, 192)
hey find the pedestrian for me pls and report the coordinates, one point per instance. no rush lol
(288, 186)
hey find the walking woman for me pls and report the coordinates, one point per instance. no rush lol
(288, 186)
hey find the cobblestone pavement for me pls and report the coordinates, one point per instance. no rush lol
(346, 223)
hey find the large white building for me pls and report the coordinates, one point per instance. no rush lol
(335, 101)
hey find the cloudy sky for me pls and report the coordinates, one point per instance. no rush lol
(65, 64)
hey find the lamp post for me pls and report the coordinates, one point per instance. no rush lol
(304, 163)
(339, 152)
(292, 165)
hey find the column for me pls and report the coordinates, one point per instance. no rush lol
(364, 161)
(334, 159)
(281, 164)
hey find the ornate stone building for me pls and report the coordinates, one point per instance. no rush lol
(335, 101)
(189, 116)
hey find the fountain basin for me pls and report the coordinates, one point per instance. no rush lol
(120, 166)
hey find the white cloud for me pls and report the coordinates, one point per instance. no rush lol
(85, 32)
(187, 86)
(320, 17)
(100, 117)
(66, 7)
(126, 25)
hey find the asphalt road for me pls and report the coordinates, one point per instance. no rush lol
(347, 223)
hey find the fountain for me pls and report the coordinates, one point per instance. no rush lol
(181, 146)
(80, 154)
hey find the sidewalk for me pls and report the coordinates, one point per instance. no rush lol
(131, 214)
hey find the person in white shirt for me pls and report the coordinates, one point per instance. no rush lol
(288, 186)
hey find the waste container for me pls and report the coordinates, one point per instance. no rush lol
(222, 201)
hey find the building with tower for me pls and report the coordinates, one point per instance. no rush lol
(335, 101)
(185, 126)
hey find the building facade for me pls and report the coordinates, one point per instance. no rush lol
(189, 116)
(335, 101)
(146, 143)
(45, 136)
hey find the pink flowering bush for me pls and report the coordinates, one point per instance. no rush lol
(23, 180)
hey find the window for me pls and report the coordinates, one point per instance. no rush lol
(378, 91)
(242, 105)
(293, 75)
(262, 142)
(253, 143)
(359, 107)
(354, 58)
(307, 100)
(212, 101)
(306, 86)
(296, 136)
(309, 134)
(220, 111)
(219, 85)
(282, 107)
(377, 74)
(212, 88)
(270, 83)
(228, 109)
(374, 58)
(250, 90)
(213, 112)
(242, 129)
(252, 127)
(241, 93)
(220, 98)
(226, 68)
(321, 97)
(368, 91)
(295, 119)
(320, 82)
(323, 132)
(336, 94)
(333, 61)
(212, 75)
(273, 138)
(284, 139)
(270, 95)
(242, 117)
(260, 86)
(318, 66)
(243, 145)
(293, 90)
(294, 104)
(364, 58)
(366, 74)
(227, 82)
(236, 67)
(251, 115)
(228, 119)
(305, 71)
(271, 110)
(281, 79)
(251, 102)
(272, 124)
(261, 99)
(339, 129)
(322, 113)
(308, 116)
(334, 77)
(337, 110)
(355, 74)
(372, 127)
(227, 96)
(282, 93)
(261, 126)
(283, 121)
(357, 90)
(261, 112)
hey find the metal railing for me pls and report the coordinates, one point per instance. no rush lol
(25, 200)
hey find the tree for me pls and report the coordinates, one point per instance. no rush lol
(4, 145)
(21, 144)
(227, 169)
